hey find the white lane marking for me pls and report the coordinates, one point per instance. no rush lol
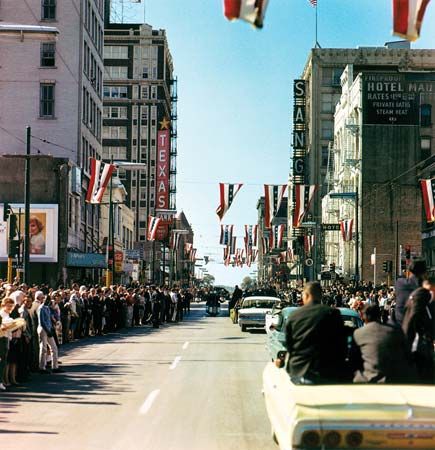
(175, 363)
(185, 345)
(149, 402)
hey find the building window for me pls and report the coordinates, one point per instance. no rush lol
(48, 52)
(115, 92)
(115, 112)
(46, 100)
(325, 156)
(154, 92)
(115, 132)
(336, 76)
(117, 72)
(115, 52)
(116, 152)
(48, 9)
(327, 130)
(327, 103)
(426, 115)
(145, 72)
(426, 147)
(144, 92)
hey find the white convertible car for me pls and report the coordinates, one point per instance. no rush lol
(253, 311)
(353, 416)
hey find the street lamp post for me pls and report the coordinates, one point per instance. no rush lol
(111, 238)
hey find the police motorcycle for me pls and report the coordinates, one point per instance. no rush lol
(212, 306)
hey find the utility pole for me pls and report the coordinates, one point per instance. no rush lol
(26, 259)
(110, 240)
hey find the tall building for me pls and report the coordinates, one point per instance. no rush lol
(140, 118)
(56, 88)
(322, 76)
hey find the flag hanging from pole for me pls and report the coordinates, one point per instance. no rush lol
(100, 177)
(346, 229)
(187, 249)
(226, 234)
(407, 18)
(309, 243)
(264, 244)
(428, 190)
(254, 254)
(227, 192)
(174, 241)
(153, 224)
(313, 3)
(227, 255)
(290, 255)
(276, 236)
(192, 255)
(251, 235)
(273, 195)
(303, 196)
(251, 11)
(233, 245)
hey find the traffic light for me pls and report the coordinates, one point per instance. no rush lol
(12, 226)
(387, 266)
(7, 211)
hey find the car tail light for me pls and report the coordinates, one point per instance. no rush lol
(331, 439)
(354, 439)
(310, 439)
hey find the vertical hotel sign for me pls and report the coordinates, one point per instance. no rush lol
(162, 176)
(299, 134)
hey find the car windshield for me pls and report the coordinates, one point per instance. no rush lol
(252, 303)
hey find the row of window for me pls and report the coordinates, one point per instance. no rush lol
(115, 112)
(115, 52)
(88, 152)
(115, 92)
(93, 27)
(114, 152)
(114, 132)
(91, 114)
(91, 69)
(117, 72)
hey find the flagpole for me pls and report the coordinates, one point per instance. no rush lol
(316, 45)
(110, 240)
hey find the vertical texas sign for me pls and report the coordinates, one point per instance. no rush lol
(162, 176)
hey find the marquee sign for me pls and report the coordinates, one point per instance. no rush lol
(162, 176)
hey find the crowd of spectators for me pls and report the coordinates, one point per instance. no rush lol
(35, 321)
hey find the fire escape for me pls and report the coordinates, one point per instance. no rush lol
(173, 162)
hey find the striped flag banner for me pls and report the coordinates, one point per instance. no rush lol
(273, 195)
(251, 232)
(226, 234)
(100, 177)
(254, 254)
(428, 190)
(304, 195)
(187, 249)
(313, 3)
(276, 236)
(346, 229)
(407, 18)
(309, 243)
(227, 192)
(153, 225)
(233, 245)
(174, 241)
(192, 255)
(264, 244)
(251, 11)
(290, 255)
(227, 256)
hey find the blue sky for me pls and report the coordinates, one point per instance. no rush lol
(235, 87)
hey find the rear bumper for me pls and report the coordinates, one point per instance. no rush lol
(260, 323)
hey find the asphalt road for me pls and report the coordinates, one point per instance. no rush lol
(189, 386)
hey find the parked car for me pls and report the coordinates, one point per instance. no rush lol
(253, 310)
(276, 333)
(348, 416)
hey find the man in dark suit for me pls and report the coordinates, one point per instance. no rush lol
(404, 287)
(316, 340)
(385, 356)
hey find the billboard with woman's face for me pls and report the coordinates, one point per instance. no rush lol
(43, 227)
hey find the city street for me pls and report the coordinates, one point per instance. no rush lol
(194, 385)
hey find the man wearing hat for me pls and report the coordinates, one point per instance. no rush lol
(405, 286)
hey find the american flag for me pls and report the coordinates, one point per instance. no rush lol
(313, 2)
